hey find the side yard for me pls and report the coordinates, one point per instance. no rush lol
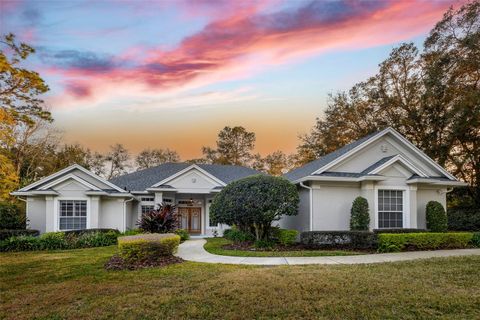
(73, 284)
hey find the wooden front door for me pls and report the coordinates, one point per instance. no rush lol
(190, 219)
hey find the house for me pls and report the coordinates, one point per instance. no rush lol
(75, 198)
(396, 178)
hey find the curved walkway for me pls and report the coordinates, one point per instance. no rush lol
(192, 250)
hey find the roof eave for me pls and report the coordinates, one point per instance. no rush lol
(340, 179)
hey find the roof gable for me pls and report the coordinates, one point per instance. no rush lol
(201, 173)
(331, 160)
(70, 171)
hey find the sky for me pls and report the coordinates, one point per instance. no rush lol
(172, 74)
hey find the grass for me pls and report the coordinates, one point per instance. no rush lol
(73, 285)
(215, 246)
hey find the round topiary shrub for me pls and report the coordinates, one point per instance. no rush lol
(252, 204)
(359, 214)
(436, 217)
(147, 246)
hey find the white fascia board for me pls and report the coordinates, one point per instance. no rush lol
(67, 177)
(405, 162)
(438, 182)
(67, 169)
(35, 193)
(187, 169)
(340, 179)
(375, 138)
(160, 190)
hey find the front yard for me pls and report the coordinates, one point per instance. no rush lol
(73, 284)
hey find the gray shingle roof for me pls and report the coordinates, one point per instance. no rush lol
(313, 166)
(377, 164)
(344, 174)
(143, 179)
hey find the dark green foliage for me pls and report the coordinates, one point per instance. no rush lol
(12, 217)
(145, 246)
(5, 234)
(253, 203)
(238, 236)
(93, 230)
(161, 220)
(463, 219)
(476, 239)
(183, 234)
(423, 241)
(61, 240)
(436, 217)
(284, 237)
(339, 239)
(264, 244)
(359, 216)
(406, 230)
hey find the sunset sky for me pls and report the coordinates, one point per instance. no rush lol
(173, 73)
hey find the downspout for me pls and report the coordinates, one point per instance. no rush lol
(311, 203)
(125, 213)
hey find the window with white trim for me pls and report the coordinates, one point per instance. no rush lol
(146, 208)
(147, 199)
(73, 214)
(390, 209)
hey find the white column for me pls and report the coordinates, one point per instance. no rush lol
(51, 211)
(158, 198)
(412, 190)
(94, 212)
(368, 192)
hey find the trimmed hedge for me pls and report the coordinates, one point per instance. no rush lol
(12, 217)
(423, 241)
(146, 246)
(60, 240)
(406, 230)
(359, 216)
(339, 239)
(183, 234)
(463, 219)
(8, 233)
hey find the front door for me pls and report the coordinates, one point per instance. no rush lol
(190, 219)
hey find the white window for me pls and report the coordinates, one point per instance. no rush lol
(390, 209)
(147, 199)
(168, 200)
(73, 214)
(146, 208)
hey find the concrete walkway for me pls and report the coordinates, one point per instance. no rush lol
(192, 250)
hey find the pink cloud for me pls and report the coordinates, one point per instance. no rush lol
(247, 41)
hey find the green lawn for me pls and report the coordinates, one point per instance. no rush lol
(214, 245)
(74, 285)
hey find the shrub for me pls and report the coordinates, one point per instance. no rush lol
(264, 244)
(147, 246)
(423, 241)
(93, 230)
(130, 232)
(53, 241)
(339, 239)
(12, 217)
(476, 239)
(359, 216)
(463, 219)
(183, 234)
(238, 236)
(5, 234)
(226, 233)
(162, 220)
(254, 203)
(21, 243)
(285, 237)
(96, 239)
(436, 217)
(406, 230)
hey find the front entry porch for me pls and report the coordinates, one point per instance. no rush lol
(191, 219)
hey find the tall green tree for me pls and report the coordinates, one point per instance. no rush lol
(432, 98)
(234, 147)
(153, 157)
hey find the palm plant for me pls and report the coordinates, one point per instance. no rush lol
(161, 220)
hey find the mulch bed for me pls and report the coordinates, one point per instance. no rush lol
(118, 263)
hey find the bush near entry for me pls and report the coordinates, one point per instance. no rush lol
(436, 217)
(147, 246)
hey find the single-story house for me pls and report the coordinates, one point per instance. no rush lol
(394, 176)
(75, 198)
